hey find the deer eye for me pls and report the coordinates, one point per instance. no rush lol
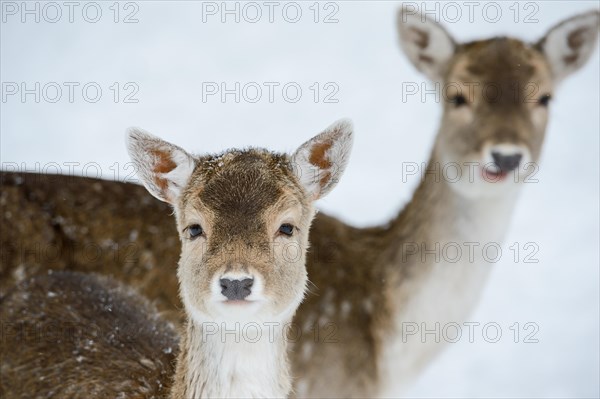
(544, 100)
(458, 100)
(195, 230)
(286, 229)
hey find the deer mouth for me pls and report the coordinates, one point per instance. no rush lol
(493, 176)
(238, 302)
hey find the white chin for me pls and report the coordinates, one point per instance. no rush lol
(237, 310)
(481, 188)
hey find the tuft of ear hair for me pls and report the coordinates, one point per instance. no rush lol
(426, 44)
(164, 168)
(320, 162)
(569, 44)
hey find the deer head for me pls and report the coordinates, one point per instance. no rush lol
(243, 217)
(497, 94)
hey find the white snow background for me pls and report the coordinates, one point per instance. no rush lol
(170, 51)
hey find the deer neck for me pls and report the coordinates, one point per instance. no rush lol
(429, 288)
(243, 360)
(447, 234)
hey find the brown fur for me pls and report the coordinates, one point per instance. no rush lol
(79, 335)
(46, 225)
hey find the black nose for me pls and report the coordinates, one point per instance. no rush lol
(236, 290)
(506, 163)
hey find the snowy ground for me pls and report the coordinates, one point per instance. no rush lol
(170, 52)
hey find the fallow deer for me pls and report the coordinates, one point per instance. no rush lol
(389, 279)
(243, 218)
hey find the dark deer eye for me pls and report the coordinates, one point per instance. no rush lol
(195, 230)
(458, 100)
(544, 100)
(286, 229)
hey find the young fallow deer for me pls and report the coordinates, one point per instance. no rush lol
(243, 218)
(392, 280)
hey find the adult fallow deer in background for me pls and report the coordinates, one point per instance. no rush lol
(374, 285)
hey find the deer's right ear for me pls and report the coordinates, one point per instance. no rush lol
(427, 45)
(163, 167)
(320, 162)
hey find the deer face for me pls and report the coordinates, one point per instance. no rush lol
(496, 95)
(496, 110)
(243, 227)
(243, 219)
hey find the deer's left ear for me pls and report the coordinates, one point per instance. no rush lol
(320, 162)
(569, 44)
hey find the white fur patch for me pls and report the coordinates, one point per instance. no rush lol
(229, 367)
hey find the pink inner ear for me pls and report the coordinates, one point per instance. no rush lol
(320, 160)
(164, 164)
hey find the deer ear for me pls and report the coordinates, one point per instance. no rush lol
(163, 168)
(569, 44)
(427, 45)
(320, 162)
